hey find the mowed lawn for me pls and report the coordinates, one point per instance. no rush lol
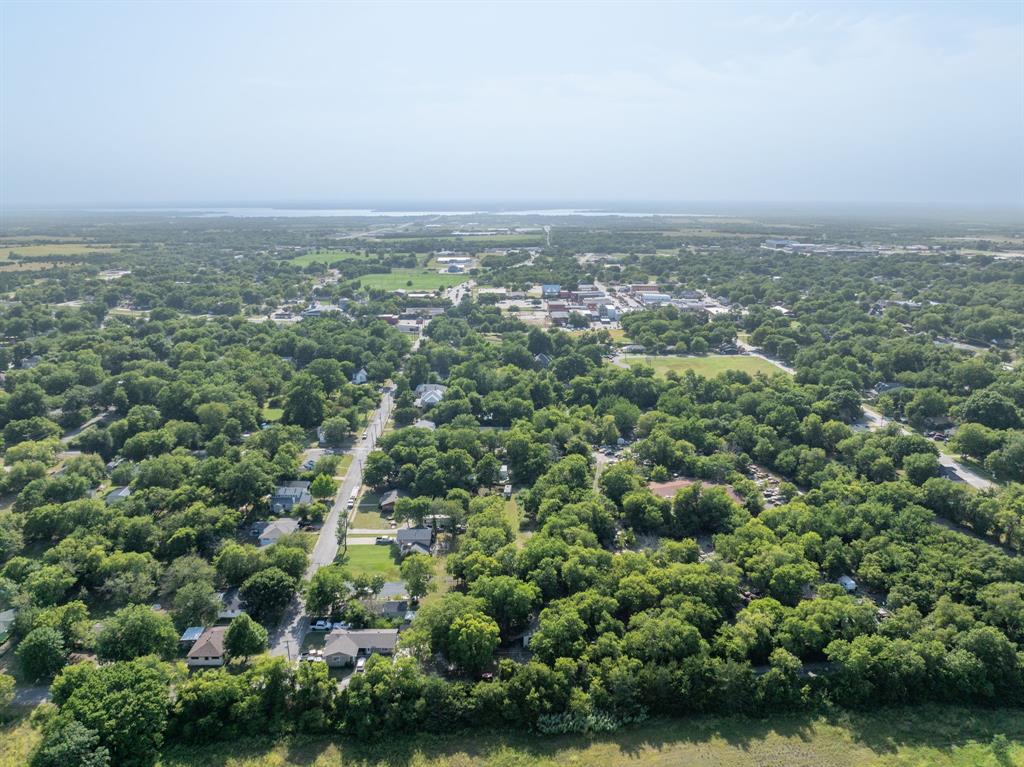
(373, 560)
(928, 737)
(709, 366)
(420, 279)
(325, 257)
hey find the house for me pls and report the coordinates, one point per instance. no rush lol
(559, 318)
(415, 548)
(503, 473)
(342, 646)
(394, 608)
(507, 491)
(117, 495)
(271, 531)
(414, 540)
(423, 423)
(387, 501)
(230, 605)
(361, 376)
(849, 584)
(550, 291)
(393, 590)
(429, 394)
(542, 359)
(290, 494)
(208, 649)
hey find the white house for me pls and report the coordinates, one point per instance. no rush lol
(269, 534)
(429, 394)
(360, 376)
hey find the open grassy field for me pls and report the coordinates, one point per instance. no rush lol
(325, 257)
(55, 249)
(930, 736)
(411, 279)
(709, 366)
(373, 560)
(272, 414)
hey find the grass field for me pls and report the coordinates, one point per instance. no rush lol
(325, 257)
(372, 560)
(709, 366)
(55, 249)
(930, 736)
(421, 279)
(272, 414)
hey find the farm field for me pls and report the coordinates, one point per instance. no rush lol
(930, 736)
(372, 560)
(325, 257)
(709, 366)
(55, 249)
(411, 279)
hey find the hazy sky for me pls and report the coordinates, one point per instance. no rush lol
(140, 103)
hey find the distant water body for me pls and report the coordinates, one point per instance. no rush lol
(379, 213)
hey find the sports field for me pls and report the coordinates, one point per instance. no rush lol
(709, 366)
(411, 279)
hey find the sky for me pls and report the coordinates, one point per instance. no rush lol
(138, 104)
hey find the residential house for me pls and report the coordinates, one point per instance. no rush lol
(208, 649)
(360, 376)
(342, 647)
(230, 605)
(542, 359)
(290, 494)
(415, 540)
(269, 532)
(387, 501)
(429, 394)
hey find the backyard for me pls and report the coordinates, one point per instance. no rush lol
(373, 560)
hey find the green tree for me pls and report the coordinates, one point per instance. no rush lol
(418, 573)
(472, 639)
(42, 653)
(508, 599)
(323, 486)
(195, 604)
(244, 637)
(134, 631)
(304, 403)
(67, 742)
(267, 593)
(327, 591)
(921, 467)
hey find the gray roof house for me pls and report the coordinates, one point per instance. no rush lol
(231, 605)
(409, 535)
(387, 501)
(341, 648)
(290, 494)
(274, 530)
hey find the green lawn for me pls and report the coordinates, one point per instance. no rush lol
(272, 414)
(325, 257)
(709, 366)
(373, 560)
(421, 279)
(343, 464)
(928, 737)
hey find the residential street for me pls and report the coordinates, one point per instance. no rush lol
(286, 640)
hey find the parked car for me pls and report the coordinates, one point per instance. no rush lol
(360, 665)
(320, 625)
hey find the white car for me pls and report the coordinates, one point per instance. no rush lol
(321, 625)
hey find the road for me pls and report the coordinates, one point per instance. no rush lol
(287, 638)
